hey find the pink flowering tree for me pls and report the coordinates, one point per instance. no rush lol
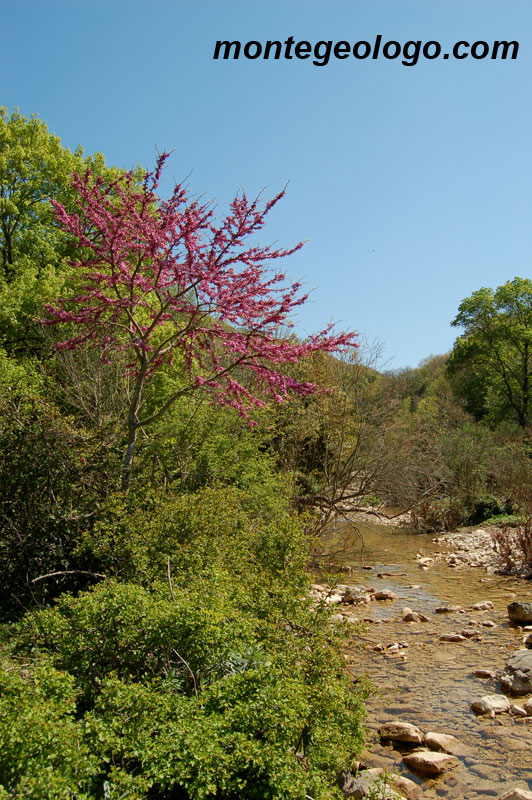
(158, 277)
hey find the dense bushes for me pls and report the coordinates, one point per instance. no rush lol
(195, 667)
(193, 687)
(43, 752)
(53, 474)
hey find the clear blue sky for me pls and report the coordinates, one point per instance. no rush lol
(412, 184)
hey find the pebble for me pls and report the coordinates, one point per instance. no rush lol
(452, 637)
(448, 609)
(395, 646)
(471, 635)
(413, 616)
(385, 594)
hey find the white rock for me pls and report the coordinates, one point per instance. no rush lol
(353, 594)
(385, 594)
(497, 703)
(528, 707)
(333, 599)
(518, 711)
(401, 732)
(517, 675)
(469, 634)
(430, 763)
(516, 794)
(442, 742)
(413, 616)
(483, 605)
(393, 648)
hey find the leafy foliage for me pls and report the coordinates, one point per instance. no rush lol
(43, 752)
(51, 476)
(492, 360)
(34, 169)
(206, 684)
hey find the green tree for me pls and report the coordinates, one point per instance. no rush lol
(491, 362)
(34, 250)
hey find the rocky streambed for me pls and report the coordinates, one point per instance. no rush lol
(436, 643)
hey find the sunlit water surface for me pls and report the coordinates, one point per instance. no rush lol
(433, 687)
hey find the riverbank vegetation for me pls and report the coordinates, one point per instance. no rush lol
(167, 464)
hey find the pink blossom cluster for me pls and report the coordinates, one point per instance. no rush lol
(158, 276)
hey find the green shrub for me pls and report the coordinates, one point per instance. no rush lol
(51, 478)
(42, 749)
(136, 634)
(210, 692)
(226, 528)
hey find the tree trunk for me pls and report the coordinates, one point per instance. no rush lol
(128, 458)
(526, 388)
(133, 425)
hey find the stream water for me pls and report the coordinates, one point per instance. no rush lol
(430, 683)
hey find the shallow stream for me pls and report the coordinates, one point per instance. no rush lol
(430, 683)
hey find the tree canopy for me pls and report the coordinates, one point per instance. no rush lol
(162, 277)
(34, 250)
(492, 360)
